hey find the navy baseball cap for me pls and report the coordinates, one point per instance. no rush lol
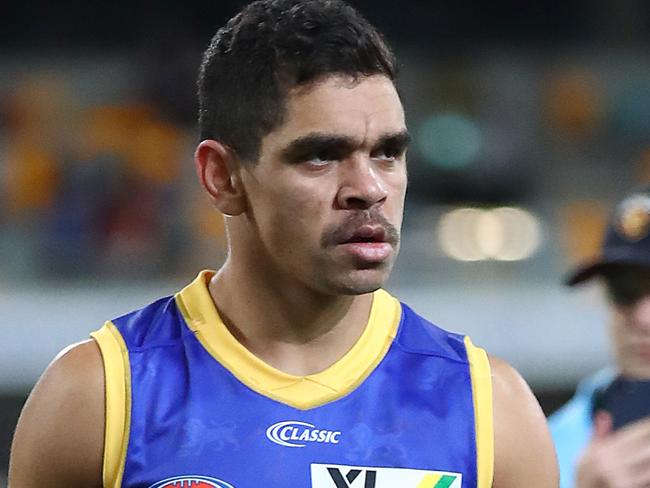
(626, 240)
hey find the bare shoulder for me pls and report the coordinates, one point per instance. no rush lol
(523, 450)
(59, 439)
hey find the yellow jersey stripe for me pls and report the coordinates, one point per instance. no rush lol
(117, 374)
(302, 392)
(482, 395)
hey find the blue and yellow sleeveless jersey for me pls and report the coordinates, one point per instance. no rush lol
(409, 406)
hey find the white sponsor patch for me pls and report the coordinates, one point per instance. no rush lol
(338, 476)
(292, 433)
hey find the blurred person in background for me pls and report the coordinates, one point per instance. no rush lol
(602, 435)
(292, 343)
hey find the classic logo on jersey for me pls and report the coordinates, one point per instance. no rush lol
(291, 433)
(191, 482)
(336, 476)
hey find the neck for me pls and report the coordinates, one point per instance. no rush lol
(289, 326)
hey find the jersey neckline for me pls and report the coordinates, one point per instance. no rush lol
(301, 392)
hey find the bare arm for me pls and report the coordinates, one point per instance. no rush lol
(59, 439)
(523, 450)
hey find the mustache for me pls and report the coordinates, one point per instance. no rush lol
(344, 231)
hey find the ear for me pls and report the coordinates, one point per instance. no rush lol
(216, 167)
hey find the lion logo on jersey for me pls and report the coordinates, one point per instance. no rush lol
(191, 482)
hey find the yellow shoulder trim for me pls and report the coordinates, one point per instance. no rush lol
(482, 394)
(302, 392)
(117, 374)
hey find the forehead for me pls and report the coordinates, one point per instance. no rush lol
(363, 109)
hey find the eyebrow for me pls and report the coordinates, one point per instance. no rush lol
(316, 142)
(398, 140)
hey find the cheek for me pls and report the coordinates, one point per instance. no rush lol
(398, 194)
(397, 181)
(295, 218)
(619, 330)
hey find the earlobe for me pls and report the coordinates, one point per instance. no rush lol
(216, 168)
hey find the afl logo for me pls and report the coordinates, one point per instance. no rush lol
(291, 433)
(191, 482)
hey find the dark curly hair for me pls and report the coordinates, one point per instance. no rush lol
(270, 47)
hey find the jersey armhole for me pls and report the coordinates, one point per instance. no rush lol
(480, 373)
(117, 376)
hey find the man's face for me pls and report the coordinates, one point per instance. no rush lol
(325, 198)
(629, 291)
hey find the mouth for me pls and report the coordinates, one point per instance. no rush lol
(367, 234)
(368, 244)
(368, 238)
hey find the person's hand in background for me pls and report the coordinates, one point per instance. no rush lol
(616, 459)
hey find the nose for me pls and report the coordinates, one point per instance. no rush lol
(362, 186)
(640, 313)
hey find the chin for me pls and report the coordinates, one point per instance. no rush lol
(358, 289)
(360, 282)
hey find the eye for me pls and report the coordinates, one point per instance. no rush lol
(322, 158)
(622, 297)
(627, 292)
(626, 285)
(389, 153)
(319, 160)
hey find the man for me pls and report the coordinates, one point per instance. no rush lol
(600, 435)
(289, 367)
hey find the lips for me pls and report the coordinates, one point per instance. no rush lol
(367, 237)
(366, 234)
(368, 244)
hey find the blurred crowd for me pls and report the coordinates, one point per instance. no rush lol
(98, 184)
(97, 179)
